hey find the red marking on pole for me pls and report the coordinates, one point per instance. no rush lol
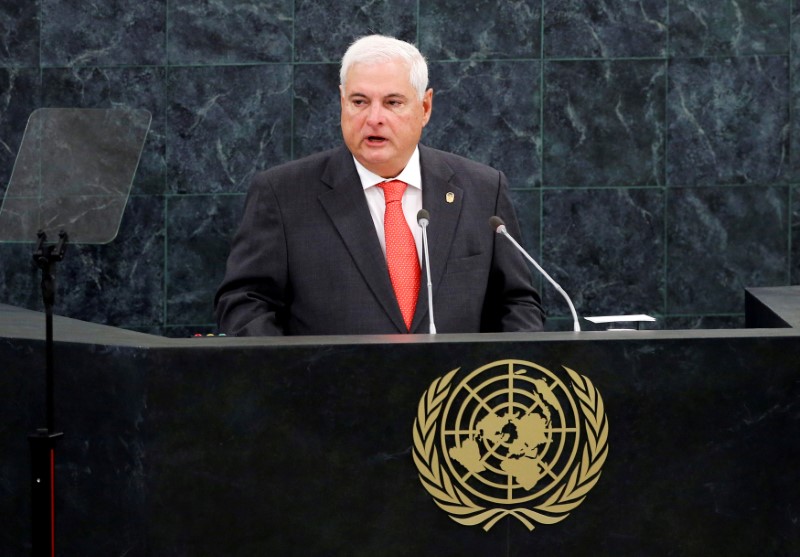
(52, 503)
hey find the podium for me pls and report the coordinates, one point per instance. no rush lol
(305, 446)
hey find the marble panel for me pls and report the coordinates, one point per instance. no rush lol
(120, 283)
(489, 112)
(728, 121)
(528, 205)
(730, 321)
(20, 89)
(109, 33)
(324, 30)
(605, 248)
(725, 28)
(610, 29)
(604, 123)
(316, 109)
(19, 33)
(794, 93)
(137, 88)
(563, 322)
(480, 29)
(20, 277)
(225, 123)
(200, 229)
(229, 31)
(721, 240)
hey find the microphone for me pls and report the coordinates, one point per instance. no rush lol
(499, 226)
(424, 218)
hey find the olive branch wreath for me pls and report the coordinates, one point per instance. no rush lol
(556, 508)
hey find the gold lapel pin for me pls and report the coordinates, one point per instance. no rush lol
(450, 197)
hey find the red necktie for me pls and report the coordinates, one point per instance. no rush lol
(401, 250)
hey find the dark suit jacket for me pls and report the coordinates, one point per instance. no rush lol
(306, 259)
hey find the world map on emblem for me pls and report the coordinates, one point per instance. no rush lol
(510, 431)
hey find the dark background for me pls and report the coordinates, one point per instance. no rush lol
(651, 145)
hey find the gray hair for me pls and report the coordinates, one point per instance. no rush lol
(374, 49)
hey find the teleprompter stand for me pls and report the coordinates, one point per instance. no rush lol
(71, 178)
(43, 441)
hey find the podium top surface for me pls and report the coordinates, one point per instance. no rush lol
(20, 323)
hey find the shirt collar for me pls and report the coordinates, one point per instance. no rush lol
(411, 174)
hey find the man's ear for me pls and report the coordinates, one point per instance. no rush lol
(427, 106)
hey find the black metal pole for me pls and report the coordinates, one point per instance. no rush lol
(43, 441)
(49, 367)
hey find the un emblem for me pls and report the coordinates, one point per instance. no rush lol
(511, 439)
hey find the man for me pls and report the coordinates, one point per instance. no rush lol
(325, 248)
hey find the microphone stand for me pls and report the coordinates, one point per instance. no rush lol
(423, 218)
(43, 441)
(500, 228)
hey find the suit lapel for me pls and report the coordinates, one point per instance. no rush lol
(347, 208)
(438, 183)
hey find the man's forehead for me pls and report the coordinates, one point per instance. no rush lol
(366, 70)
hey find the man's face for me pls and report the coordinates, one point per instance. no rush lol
(382, 117)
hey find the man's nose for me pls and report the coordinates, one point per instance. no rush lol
(375, 115)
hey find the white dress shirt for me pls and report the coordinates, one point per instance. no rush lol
(412, 198)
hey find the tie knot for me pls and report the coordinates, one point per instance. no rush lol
(393, 190)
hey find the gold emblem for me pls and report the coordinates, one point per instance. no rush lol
(510, 440)
(450, 197)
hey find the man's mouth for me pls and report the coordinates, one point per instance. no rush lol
(375, 139)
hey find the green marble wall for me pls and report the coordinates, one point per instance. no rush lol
(651, 145)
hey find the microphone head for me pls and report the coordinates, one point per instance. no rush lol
(423, 217)
(496, 223)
